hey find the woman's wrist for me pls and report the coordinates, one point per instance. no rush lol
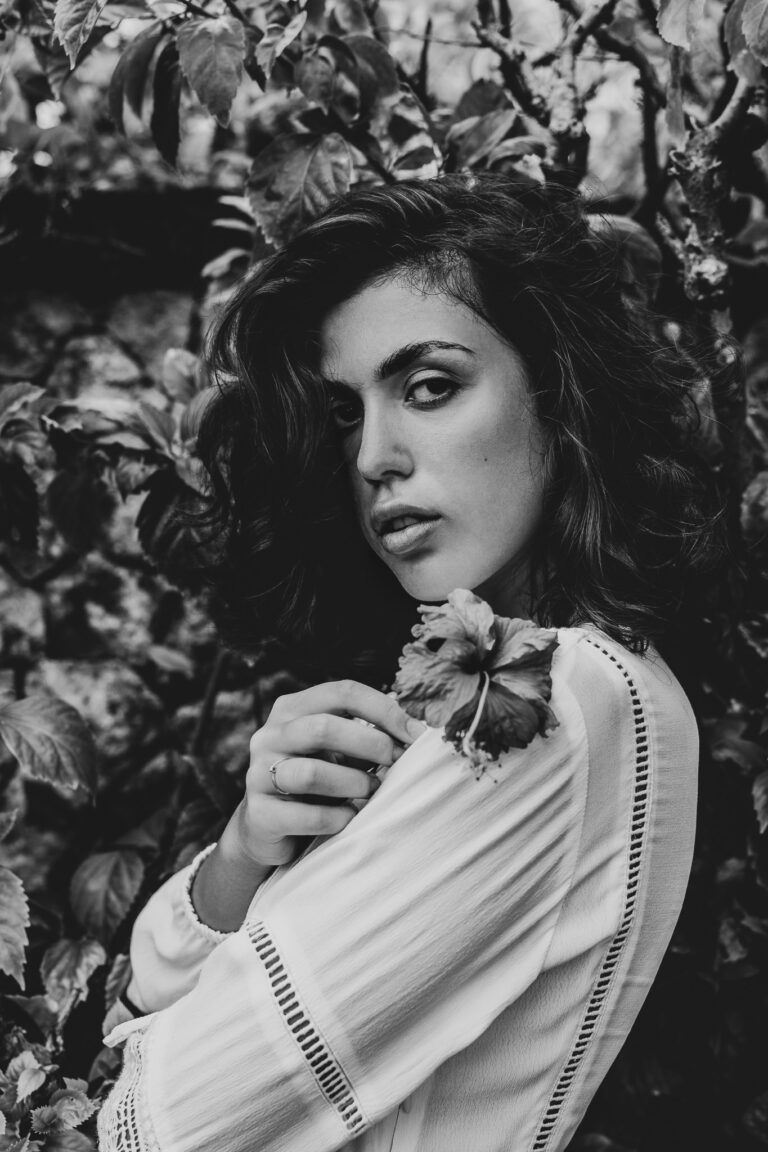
(225, 882)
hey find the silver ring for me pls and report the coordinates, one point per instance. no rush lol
(273, 774)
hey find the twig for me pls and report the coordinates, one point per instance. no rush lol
(723, 126)
(422, 74)
(597, 13)
(514, 69)
(625, 51)
(195, 10)
(209, 702)
(436, 39)
(505, 18)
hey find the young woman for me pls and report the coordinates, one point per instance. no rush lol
(435, 386)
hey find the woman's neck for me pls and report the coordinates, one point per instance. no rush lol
(508, 591)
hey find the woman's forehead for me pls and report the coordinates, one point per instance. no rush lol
(379, 330)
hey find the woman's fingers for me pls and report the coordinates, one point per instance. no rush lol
(301, 775)
(292, 818)
(351, 698)
(322, 730)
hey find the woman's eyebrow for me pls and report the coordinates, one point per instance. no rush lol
(401, 359)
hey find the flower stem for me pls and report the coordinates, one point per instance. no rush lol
(465, 744)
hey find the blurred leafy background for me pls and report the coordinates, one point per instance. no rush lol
(150, 152)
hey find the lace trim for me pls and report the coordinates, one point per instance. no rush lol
(213, 934)
(325, 1068)
(123, 1123)
(638, 826)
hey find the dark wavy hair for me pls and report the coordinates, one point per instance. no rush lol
(626, 527)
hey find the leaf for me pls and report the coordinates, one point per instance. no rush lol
(179, 376)
(211, 53)
(129, 78)
(377, 72)
(79, 503)
(69, 1141)
(159, 425)
(13, 396)
(294, 179)
(118, 980)
(72, 1106)
(472, 141)
(679, 20)
(350, 16)
(51, 741)
(19, 513)
(103, 889)
(7, 821)
(73, 22)
(171, 660)
(329, 75)
(760, 799)
(166, 89)
(39, 1010)
(755, 28)
(14, 921)
(29, 1081)
(66, 968)
(276, 39)
(741, 60)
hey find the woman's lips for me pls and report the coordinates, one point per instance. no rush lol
(407, 539)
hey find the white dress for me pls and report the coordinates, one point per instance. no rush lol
(453, 972)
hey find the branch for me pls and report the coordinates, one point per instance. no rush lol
(597, 13)
(422, 75)
(515, 70)
(735, 109)
(625, 51)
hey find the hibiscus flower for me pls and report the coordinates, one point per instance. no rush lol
(484, 678)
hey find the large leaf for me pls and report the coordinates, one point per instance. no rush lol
(211, 53)
(166, 88)
(129, 78)
(69, 1141)
(679, 21)
(294, 179)
(741, 59)
(66, 968)
(329, 75)
(14, 920)
(73, 22)
(51, 741)
(19, 513)
(755, 27)
(79, 503)
(103, 889)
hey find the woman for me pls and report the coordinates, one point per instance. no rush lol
(435, 386)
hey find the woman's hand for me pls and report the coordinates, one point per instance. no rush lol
(311, 728)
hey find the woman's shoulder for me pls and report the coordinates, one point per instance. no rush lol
(621, 690)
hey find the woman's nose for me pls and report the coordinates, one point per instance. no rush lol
(383, 448)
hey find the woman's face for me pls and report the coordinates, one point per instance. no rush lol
(444, 451)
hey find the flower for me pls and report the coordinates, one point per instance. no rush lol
(484, 678)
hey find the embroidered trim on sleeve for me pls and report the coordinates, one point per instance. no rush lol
(325, 1068)
(123, 1123)
(637, 833)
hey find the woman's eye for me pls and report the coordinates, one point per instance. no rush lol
(432, 392)
(345, 414)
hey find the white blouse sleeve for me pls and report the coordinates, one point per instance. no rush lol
(169, 943)
(370, 961)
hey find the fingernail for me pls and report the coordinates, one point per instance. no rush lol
(415, 727)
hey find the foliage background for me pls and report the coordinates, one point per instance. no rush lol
(136, 188)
